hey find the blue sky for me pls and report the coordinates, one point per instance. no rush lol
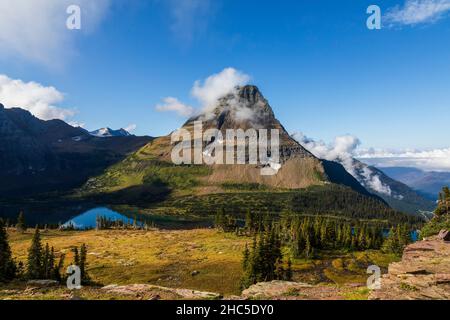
(324, 73)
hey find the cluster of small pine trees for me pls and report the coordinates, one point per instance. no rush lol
(305, 235)
(224, 222)
(105, 223)
(253, 222)
(399, 237)
(41, 261)
(79, 259)
(264, 261)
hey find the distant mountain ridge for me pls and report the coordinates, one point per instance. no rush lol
(397, 194)
(40, 156)
(427, 183)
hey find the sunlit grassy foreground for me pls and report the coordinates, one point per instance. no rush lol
(169, 258)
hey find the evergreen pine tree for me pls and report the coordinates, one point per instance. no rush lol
(76, 257)
(250, 221)
(46, 267)
(21, 225)
(35, 257)
(391, 244)
(308, 248)
(288, 276)
(58, 271)
(246, 257)
(8, 268)
(83, 264)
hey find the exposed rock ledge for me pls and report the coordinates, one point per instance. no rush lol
(423, 273)
(174, 293)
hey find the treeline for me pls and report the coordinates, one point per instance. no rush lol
(21, 225)
(105, 223)
(42, 262)
(305, 237)
(330, 200)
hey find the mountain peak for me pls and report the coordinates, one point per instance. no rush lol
(250, 93)
(108, 132)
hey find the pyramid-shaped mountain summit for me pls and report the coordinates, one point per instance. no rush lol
(244, 108)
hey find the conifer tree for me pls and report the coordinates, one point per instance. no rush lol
(21, 225)
(246, 257)
(76, 257)
(58, 270)
(289, 270)
(392, 244)
(308, 248)
(46, 262)
(35, 257)
(8, 268)
(250, 221)
(83, 264)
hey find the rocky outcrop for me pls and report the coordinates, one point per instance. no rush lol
(288, 290)
(423, 273)
(152, 290)
(444, 235)
(273, 289)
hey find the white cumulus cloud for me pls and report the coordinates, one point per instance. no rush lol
(217, 86)
(174, 105)
(415, 12)
(36, 30)
(130, 128)
(207, 93)
(341, 149)
(40, 100)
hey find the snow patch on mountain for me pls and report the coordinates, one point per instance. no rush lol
(108, 132)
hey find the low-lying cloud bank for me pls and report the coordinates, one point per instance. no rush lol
(346, 150)
(428, 160)
(343, 150)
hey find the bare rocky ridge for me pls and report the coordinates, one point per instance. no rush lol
(423, 273)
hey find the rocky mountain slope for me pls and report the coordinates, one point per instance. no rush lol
(40, 156)
(397, 194)
(423, 273)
